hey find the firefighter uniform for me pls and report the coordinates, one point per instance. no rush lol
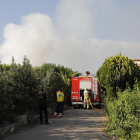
(43, 107)
(60, 103)
(86, 99)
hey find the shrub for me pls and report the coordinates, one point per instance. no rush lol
(18, 90)
(124, 115)
(117, 71)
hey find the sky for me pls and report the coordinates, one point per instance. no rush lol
(78, 34)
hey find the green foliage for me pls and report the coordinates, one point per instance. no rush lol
(5, 98)
(19, 86)
(65, 72)
(66, 75)
(117, 73)
(19, 89)
(47, 66)
(26, 87)
(124, 115)
(4, 67)
(52, 82)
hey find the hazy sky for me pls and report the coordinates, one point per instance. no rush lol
(78, 34)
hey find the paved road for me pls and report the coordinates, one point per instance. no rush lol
(76, 124)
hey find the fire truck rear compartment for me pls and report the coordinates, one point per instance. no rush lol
(82, 94)
(84, 84)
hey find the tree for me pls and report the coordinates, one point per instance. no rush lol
(67, 77)
(21, 86)
(52, 82)
(117, 72)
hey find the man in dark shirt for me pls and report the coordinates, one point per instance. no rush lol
(43, 106)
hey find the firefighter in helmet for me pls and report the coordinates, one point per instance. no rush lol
(60, 103)
(86, 99)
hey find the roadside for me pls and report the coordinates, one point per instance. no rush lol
(76, 124)
(19, 127)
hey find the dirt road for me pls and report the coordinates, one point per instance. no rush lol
(76, 124)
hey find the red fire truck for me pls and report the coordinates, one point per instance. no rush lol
(78, 86)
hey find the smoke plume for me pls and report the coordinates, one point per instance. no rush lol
(68, 41)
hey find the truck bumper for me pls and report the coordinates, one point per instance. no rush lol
(82, 103)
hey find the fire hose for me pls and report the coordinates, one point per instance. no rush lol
(92, 106)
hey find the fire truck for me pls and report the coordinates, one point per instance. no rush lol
(78, 86)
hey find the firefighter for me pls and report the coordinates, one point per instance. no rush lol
(60, 103)
(43, 106)
(101, 94)
(86, 99)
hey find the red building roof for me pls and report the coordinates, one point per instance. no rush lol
(137, 61)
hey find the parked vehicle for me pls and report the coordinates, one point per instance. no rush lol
(78, 86)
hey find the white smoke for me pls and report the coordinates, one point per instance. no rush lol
(74, 19)
(69, 41)
(33, 38)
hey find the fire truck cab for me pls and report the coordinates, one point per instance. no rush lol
(78, 86)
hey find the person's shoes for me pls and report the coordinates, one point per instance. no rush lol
(47, 123)
(55, 114)
(60, 114)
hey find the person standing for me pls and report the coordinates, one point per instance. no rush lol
(86, 99)
(60, 103)
(43, 106)
(100, 96)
